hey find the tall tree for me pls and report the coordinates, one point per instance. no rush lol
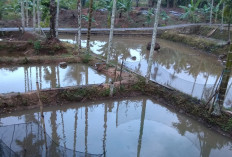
(137, 3)
(52, 19)
(89, 24)
(79, 24)
(27, 15)
(211, 12)
(150, 60)
(34, 16)
(38, 15)
(57, 16)
(222, 20)
(22, 15)
(111, 31)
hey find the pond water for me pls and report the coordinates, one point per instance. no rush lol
(175, 65)
(125, 127)
(24, 78)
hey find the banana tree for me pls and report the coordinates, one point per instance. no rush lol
(191, 10)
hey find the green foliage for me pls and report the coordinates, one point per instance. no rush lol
(164, 16)
(86, 58)
(37, 46)
(191, 11)
(149, 16)
(228, 126)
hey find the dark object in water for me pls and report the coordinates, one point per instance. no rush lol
(133, 58)
(63, 65)
(157, 46)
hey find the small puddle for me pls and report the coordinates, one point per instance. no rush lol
(125, 127)
(24, 78)
(176, 65)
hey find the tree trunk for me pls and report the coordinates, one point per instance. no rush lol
(34, 16)
(38, 15)
(22, 15)
(57, 16)
(174, 4)
(229, 35)
(27, 16)
(89, 24)
(52, 19)
(137, 3)
(168, 4)
(150, 60)
(222, 21)
(223, 86)
(211, 12)
(79, 24)
(111, 31)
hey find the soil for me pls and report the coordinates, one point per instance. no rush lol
(136, 18)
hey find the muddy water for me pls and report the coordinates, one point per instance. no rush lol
(129, 127)
(23, 78)
(176, 65)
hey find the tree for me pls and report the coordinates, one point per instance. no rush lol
(22, 15)
(89, 24)
(38, 15)
(218, 105)
(27, 15)
(52, 19)
(79, 24)
(190, 11)
(57, 16)
(34, 16)
(137, 3)
(111, 31)
(150, 61)
(211, 12)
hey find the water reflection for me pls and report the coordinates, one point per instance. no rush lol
(24, 78)
(131, 127)
(176, 65)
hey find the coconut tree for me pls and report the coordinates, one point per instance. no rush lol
(38, 15)
(27, 15)
(89, 24)
(34, 16)
(111, 31)
(57, 16)
(153, 42)
(22, 15)
(79, 24)
(52, 19)
(211, 12)
(228, 15)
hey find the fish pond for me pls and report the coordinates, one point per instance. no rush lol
(125, 127)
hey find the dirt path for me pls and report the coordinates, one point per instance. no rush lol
(74, 30)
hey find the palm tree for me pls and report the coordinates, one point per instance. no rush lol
(22, 15)
(52, 19)
(211, 12)
(57, 16)
(34, 16)
(153, 42)
(89, 24)
(79, 24)
(111, 31)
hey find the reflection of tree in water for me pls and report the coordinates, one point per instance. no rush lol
(11, 69)
(53, 147)
(33, 142)
(186, 63)
(204, 136)
(75, 72)
(50, 75)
